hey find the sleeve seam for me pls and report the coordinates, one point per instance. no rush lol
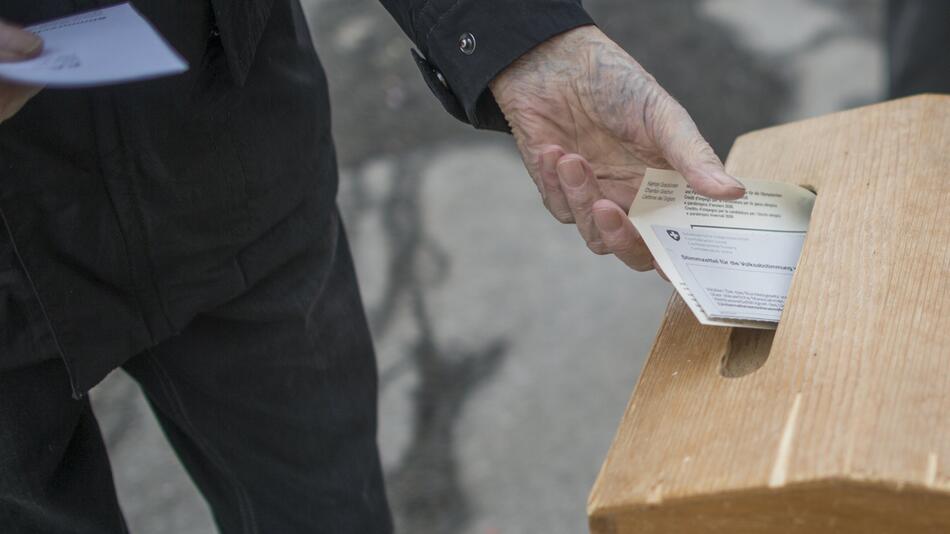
(414, 14)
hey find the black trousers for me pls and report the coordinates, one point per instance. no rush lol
(185, 228)
(269, 401)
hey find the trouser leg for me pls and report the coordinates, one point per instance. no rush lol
(270, 402)
(918, 39)
(54, 470)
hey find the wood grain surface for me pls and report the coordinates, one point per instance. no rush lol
(841, 423)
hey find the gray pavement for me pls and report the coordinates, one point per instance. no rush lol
(507, 352)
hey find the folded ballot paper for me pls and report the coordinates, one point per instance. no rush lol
(731, 261)
(101, 47)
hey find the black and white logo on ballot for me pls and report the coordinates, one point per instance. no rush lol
(674, 234)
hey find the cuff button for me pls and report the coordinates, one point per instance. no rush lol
(467, 43)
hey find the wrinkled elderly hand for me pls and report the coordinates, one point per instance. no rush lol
(16, 45)
(588, 120)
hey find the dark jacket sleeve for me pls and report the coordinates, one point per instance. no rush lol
(463, 44)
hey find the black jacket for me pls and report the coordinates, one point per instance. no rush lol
(127, 211)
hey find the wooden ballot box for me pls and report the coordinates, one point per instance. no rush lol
(839, 421)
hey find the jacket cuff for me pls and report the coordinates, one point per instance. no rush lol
(475, 40)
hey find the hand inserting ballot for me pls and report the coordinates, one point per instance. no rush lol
(588, 120)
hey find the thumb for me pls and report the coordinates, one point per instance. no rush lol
(17, 44)
(685, 149)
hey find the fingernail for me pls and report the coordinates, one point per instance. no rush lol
(728, 181)
(608, 220)
(571, 172)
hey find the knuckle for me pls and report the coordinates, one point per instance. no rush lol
(701, 154)
(642, 267)
(598, 247)
(637, 258)
(564, 218)
(551, 181)
(629, 247)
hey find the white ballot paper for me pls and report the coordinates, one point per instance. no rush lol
(731, 261)
(100, 47)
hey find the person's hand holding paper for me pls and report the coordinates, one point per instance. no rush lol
(91, 49)
(588, 120)
(16, 45)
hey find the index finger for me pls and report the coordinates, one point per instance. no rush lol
(685, 149)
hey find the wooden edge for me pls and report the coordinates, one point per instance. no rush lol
(837, 505)
(664, 324)
(921, 99)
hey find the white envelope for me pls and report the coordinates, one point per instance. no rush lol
(731, 261)
(99, 47)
